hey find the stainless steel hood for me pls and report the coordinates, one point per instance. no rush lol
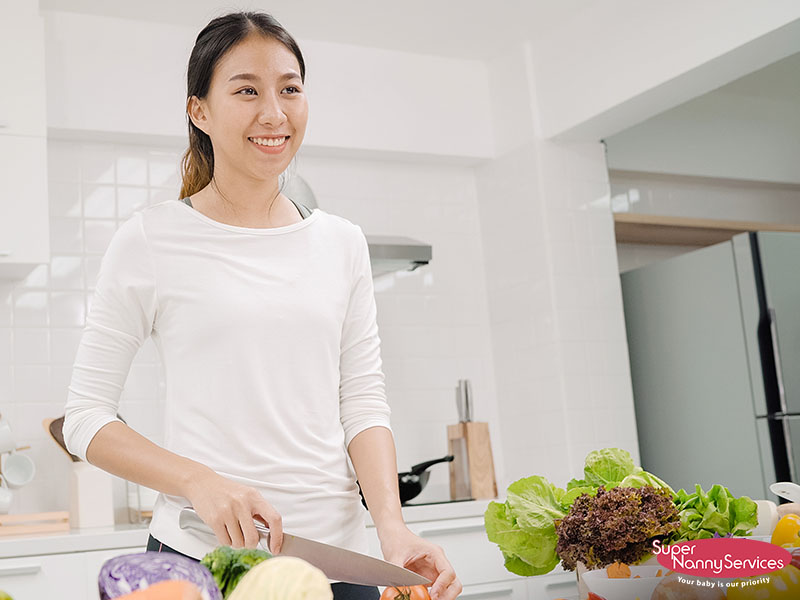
(393, 253)
(387, 253)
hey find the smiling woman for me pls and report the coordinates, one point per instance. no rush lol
(265, 320)
(247, 119)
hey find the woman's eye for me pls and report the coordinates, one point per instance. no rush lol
(246, 89)
(296, 90)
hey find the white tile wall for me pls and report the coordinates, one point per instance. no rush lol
(555, 306)
(433, 322)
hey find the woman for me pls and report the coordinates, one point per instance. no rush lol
(265, 320)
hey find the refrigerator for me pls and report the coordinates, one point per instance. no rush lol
(714, 346)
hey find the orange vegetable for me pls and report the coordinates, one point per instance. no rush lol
(175, 589)
(402, 592)
(618, 571)
(787, 531)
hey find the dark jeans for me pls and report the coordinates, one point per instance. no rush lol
(341, 591)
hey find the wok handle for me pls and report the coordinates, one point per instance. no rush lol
(418, 469)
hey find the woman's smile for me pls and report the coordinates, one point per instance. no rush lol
(269, 145)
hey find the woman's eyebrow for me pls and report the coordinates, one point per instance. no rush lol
(253, 77)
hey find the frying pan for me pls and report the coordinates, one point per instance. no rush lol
(411, 483)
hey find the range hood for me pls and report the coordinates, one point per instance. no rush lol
(387, 253)
(394, 253)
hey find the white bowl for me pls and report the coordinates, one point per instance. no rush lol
(625, 589)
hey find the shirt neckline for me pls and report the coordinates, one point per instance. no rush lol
(252, 230)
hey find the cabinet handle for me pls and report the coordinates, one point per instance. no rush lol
(20, 570)
(3, 124)
(5, 252)
(500, 592)
(452, 529)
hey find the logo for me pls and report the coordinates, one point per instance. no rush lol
(722, 557)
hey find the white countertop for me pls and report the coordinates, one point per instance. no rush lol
(129, 536)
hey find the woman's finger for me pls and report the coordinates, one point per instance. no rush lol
(451, 591)
(235, 532)
(447, 574)
(248, 527)
(274, 522)
(219, 529)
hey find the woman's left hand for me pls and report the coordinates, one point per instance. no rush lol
(402, 547)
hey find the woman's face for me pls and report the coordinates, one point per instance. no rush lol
(256, 93)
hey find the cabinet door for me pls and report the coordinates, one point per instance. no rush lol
(501, 590)
(59, 576)
(553, 586)
(24, 225)
(22, 71)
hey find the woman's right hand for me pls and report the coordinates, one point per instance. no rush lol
(229, 509)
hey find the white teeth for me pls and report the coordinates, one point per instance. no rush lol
(268, 141)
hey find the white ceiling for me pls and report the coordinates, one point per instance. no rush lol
(472, 29)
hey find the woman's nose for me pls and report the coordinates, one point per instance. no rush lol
(271, 110)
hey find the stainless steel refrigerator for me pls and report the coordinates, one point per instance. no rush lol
(714, 345)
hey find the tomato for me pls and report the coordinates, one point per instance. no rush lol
(787, 531)
(783, 585)
(403, 592)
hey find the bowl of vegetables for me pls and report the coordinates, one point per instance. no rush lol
(622, 582)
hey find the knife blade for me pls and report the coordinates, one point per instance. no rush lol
(339, 564)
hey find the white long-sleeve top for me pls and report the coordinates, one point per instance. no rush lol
(270, 347)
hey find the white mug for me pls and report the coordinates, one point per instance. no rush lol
(18, 470)
(7, 443)
(6, 497)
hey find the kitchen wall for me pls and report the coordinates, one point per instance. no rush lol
(560, 353)
(433, 322)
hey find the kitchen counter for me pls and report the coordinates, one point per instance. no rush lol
(76, 540)
(129, 536)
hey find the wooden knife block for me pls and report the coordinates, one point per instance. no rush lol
(480, 464)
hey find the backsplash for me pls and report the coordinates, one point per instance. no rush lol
(433, 322)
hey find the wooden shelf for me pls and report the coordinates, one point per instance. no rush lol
(631, 228)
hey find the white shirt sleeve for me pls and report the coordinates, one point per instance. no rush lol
(121, 318)
(362, 394)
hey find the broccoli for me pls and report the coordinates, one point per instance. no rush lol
(228, 565)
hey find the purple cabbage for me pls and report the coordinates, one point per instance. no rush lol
(124, 574)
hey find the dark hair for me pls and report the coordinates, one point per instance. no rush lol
(216, 38)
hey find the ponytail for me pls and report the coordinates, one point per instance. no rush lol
(197, 164)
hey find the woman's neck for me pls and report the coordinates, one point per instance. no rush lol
(240, 203)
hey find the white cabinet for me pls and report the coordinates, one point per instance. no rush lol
(68, 576)
(23, 108)
(52, 576)
(24, 219)
(553, 586)
(501, 590)
(24, 226)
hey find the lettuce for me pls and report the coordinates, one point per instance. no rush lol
(608, 467)
(526, 551)
(524, 526)
(715, 513)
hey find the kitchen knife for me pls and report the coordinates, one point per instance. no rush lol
(467, 400)
(337, 563)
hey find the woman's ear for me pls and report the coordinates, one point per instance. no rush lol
(196, 110)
